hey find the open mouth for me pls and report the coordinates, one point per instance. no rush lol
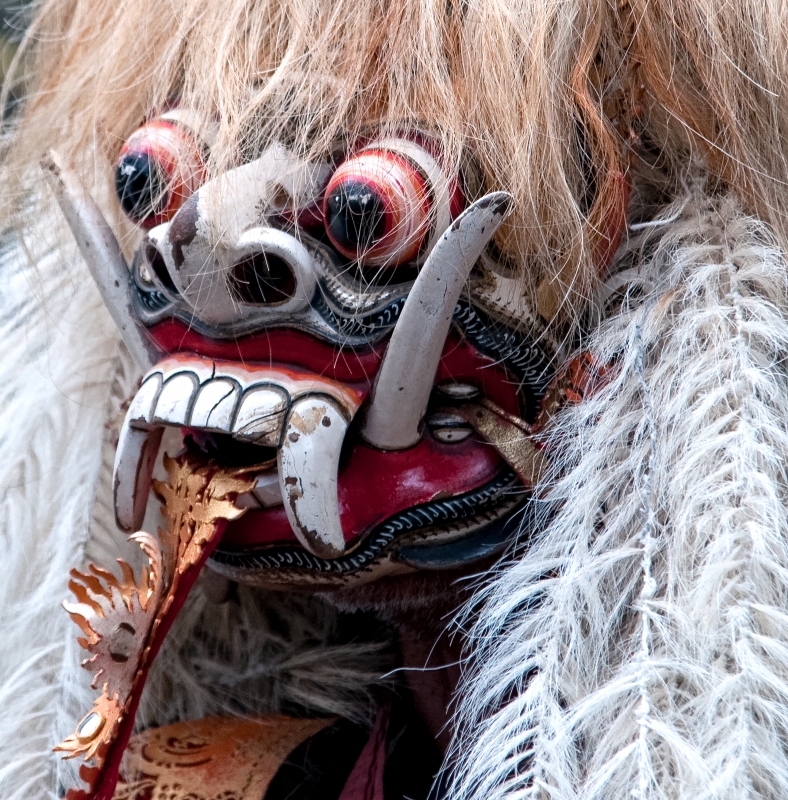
(327, 508)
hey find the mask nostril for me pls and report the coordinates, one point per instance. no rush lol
(159, 268)
(262, 279)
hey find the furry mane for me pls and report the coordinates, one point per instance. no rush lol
(638, 648)
(541, 95)
(519, 87)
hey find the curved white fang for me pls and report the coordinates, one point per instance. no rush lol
(404, 383)
(135, 455)
(134, 460)
(102, 254)
(308, 466)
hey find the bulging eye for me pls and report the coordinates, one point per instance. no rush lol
(381, 204)
(159, 166)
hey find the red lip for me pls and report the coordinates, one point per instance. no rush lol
(373, 485)
(356, 366)
(280, 346)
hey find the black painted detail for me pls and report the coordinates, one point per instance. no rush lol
(478, 504)
(355, 216)
(453, 555)
(515, 349)
(262, 279)
(151, 301)
(159, 268)
(370, 325)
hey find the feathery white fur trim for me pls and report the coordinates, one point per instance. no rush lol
(59, 355)
(639, 647)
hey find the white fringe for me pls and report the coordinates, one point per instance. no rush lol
(639, 647)
(59, 356)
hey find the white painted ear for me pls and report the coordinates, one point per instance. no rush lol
(101, 251)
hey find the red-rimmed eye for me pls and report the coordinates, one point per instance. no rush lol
(160, 165)
(382, 203)
(377, 208)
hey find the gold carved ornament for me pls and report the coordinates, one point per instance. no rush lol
(124, 620)
(511, 436)
(217, 758)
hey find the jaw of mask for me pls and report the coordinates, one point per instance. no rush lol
(345, 333)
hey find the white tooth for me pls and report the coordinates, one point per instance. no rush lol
(247, 500)
(261, 415)
(172, 407)
(267, 490)
(134, 462)
(308, 467)
(215, 405)
(140, 413)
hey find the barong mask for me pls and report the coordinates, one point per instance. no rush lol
(352, 365)
(344, 330)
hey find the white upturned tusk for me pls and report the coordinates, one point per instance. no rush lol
(102, 254)
(404, 383)
(308, 466)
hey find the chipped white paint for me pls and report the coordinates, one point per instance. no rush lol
(282, 245)
(134, 462)
(240, 198)
(225, 222)
(308, 467)
(140, 413)
(251, 404)
(215, 405)
(261, 415)
(175, 399)
(407, 374)
(154, 239)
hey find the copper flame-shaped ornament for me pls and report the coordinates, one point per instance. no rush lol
(124, 621)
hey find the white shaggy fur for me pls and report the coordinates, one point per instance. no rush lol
(59, 356)
(639, 647)
(64, 380)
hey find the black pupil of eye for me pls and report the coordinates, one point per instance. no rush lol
(356, 216)
(140, 185)
(262, 279)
